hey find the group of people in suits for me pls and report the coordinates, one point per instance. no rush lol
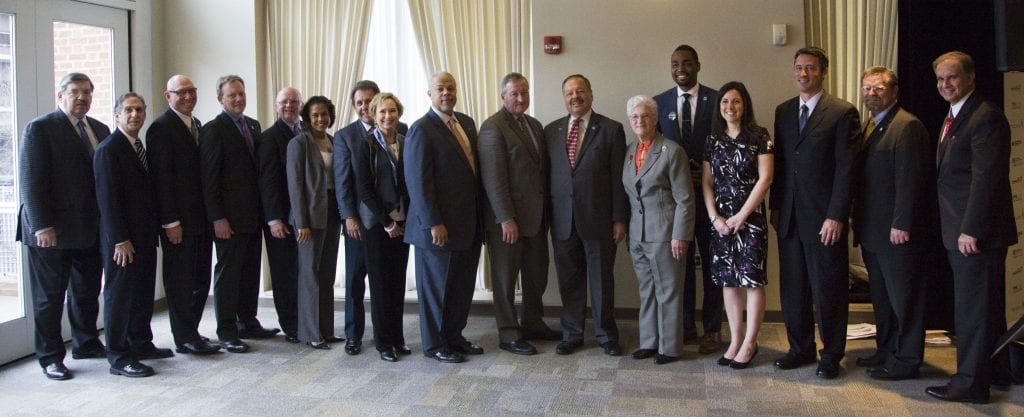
(696, 175)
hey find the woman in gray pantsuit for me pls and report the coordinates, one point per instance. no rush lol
(314, 215)
(656, 176)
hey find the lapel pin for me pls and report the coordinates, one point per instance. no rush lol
(672, 116)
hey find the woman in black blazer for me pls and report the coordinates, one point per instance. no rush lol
(380, 185)
(314, 215)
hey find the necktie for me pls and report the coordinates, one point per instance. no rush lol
(572, 140)
(803, 117)
(462, 142)
(296, 129)
(195, 132)
(946, 126)
(140, 152)
(526, 128)
(869, 129)
(246, 135)
(85, 137)
(686, 131)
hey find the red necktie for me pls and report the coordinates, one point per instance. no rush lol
(572, 140)
(945, 127)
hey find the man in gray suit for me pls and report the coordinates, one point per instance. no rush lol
(59, 222)
(589, 214)
(513, 166)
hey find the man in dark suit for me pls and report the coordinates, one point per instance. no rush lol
(816, 138)
(684, 117)
(172, 145)
(129, 226)
(444, 222)
(59, 223)
(282, 252)
(589, 214)
(976, 214)
(893, 221)
(514, 165)
(231, 192)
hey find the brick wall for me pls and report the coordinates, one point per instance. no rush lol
(86, 49)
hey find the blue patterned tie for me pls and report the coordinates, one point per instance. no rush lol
(803, 117)
(140, 152)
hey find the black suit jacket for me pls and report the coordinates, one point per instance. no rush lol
(56, 182)
(174, 163)
(346, 142)
(973, 164)
(707, 104)
(813, 168)
(894, 184)
(591, 195)
(126, 195)
(230, 186)
(273, 155)
(379, 181)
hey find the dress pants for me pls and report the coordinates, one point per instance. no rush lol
(814, 286)
(355, 288)
(581, 264)
(128, 304)
(657, 272)
(444, 283)
(386, 262)
(236, 283)
(282, 254)
(52, 273)
(897, 295)
(186, 276)
(712, 301)
(527, 258)
(318, 264)
(979, 290)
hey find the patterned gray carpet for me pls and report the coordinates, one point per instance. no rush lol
(283, 379)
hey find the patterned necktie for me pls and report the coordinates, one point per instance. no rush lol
(526, 128)
(572, 140)
(140, 152)
(869, 129)
(463, 142)
(946, 126)
(246, 135)
(195, 132)
(296, 129)
(803, 117)
(686, 132)
(85, 137)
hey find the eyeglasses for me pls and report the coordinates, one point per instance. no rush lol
(289, 102)
(876, 89)
(183, 92)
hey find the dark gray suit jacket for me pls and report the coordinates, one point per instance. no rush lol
(515, 173)
(346, 143)
(307, 183)
(272, 153)
(56, 182)
(379, 181)
(230, 186)
(174, 162)
(661, 194)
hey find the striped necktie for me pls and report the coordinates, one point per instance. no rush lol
(140, 152)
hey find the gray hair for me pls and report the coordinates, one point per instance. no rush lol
(74, 77)
(225, 80)
(641, 101)
(119, 103)
(511, 78)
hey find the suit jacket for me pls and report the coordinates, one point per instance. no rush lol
(894, 183)
(589, 196)
(443, 188)
(814, 165)
(514, 173)
(973, 177)
(272, 153)
(230, 186)
(174, 164)
(707, 104)
(56, 182)
(126, 194)
(379, 181)
(661, 194)
(346, 142)
(307, 182)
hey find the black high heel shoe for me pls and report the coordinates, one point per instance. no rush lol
(744, 365)
(724, 361)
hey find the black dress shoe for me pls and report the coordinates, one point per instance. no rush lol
(691, 337)
(403, 350)
(566, 347)
(322, 345)
(946, 393)
(353, 348)
(95, 353)
(204, 338)
(198, 347)
(388, 355)
(334, 339)
(543, 334)
(468, 348)
(447, 356)
(827, 370)
(519, 347)
(663, 359)
(291, 338)
(884, 374)
(258, 333)
(611, 348)
(57, 371)
(234, 346)
(791, 361)
(644, 353)
(154, 353)
(877, 359)
(132, 369)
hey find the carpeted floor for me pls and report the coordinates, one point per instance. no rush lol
(282, 379)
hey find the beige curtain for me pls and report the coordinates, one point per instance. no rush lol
(316, 46)
(478, 42)
(856, 34)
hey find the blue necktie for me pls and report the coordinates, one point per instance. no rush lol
(803, 117)
(85, 137)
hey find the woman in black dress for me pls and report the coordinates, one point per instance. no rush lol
(738, 170)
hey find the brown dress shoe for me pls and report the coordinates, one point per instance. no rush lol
(710, 343)
(690, 337)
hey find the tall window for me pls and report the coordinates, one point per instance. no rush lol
(393, 58)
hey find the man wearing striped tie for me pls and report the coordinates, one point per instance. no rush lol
(129, 227)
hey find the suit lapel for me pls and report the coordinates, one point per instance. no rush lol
(815, 118)
(71, 132)
(653, 153)
(521, 134)
(965, 113)
(589, 136)
(881, 127)
(450, 136)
